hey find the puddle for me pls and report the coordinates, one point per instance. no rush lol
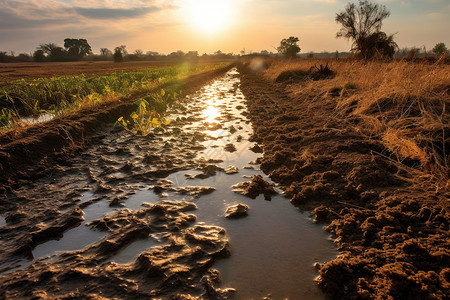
(2, 221)
(79, 237)
(135, 201)
(41, 118)
(132, 251)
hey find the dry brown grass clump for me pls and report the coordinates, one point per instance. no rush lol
(402, 103)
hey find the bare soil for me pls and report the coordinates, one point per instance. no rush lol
(393, 232)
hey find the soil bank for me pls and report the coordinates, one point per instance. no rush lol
(394, 233)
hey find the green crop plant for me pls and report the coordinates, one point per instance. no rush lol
(146, 118)
(8, 118)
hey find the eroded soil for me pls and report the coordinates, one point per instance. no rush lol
(394, 233)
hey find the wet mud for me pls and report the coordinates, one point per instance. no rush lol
(146, 217)
(393, 232)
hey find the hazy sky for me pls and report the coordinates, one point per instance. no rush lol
(208, 25)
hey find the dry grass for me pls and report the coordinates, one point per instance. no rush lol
(403, 104)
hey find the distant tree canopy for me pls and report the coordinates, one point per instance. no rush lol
(362, 24)
(38, 56)
(439, 49)
(378, 44)
(53, 52)
(105, 52)
(77, 47)
(119, 52)
(76, 50)
(289, 47)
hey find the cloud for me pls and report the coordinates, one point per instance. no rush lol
(115, 13)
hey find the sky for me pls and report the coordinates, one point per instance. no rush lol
(207, 26)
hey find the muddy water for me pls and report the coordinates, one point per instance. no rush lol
(273, 249)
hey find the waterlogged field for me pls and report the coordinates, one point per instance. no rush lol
(140, 216)
(55, 95)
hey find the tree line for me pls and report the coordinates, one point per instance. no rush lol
(79, 49)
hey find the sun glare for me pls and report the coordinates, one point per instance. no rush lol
(209, 15)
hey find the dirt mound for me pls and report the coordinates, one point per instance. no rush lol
(394, 232)
(255, 187)
(315, 73)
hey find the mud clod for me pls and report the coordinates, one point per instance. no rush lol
(237, 211)
(256, 148)
(231, 170)
(230, 148)
(255, 187)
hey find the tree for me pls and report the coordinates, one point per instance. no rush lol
(118, 56)
(48, 48)
(289, 47)
(439, 49)
(53, 51)
(77, 47)
(378, 44)
(192, 55)
(362, 24)
(123, 49)
(105, 52)
(39, 56)
(138, 52)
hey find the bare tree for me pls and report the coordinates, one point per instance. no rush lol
(105, 52)
(362, 24)
(138, 52)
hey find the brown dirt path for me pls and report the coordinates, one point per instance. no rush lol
(393, 233)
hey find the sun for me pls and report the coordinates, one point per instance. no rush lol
(209, 15)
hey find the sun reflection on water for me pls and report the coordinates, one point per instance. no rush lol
(210, 114)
